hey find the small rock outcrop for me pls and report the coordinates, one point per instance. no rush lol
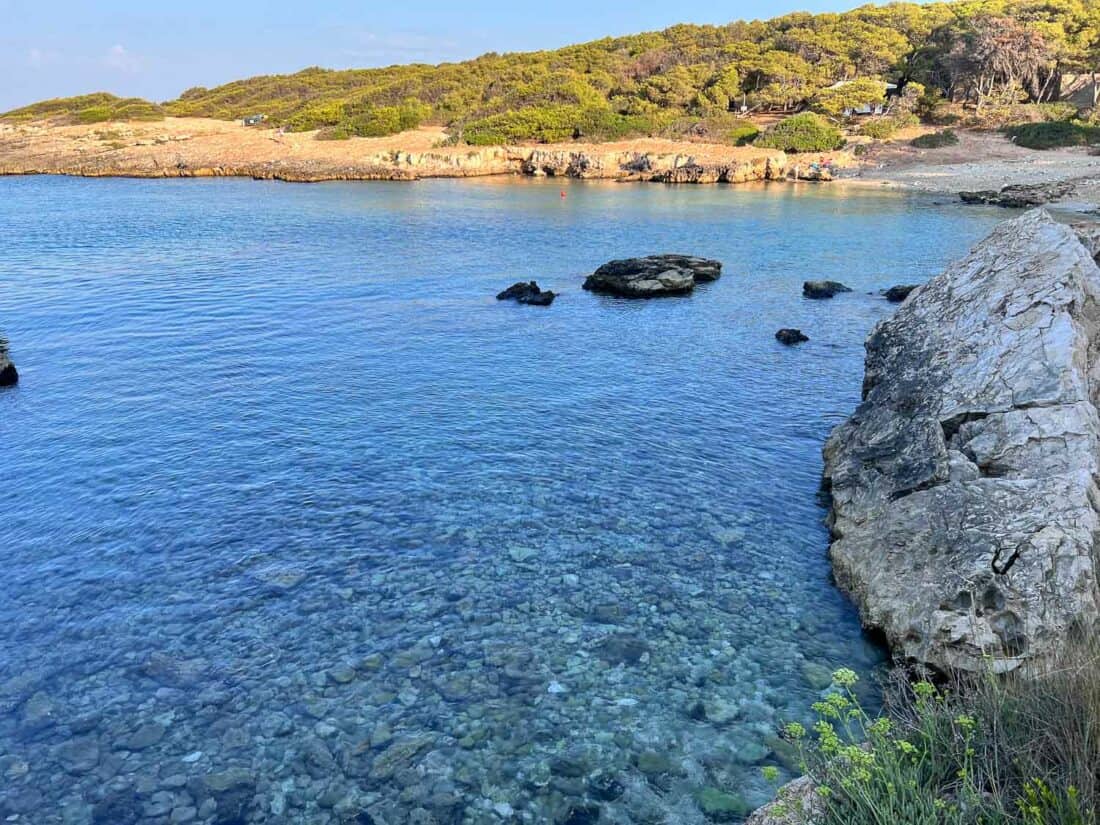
(964, 487)
(897, 294)
(527, 293)
(1021, 196)
(823, 289)
(797, 803)
(654, 276)
(791, 337)
(9, 376)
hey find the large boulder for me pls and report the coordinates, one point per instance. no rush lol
(527, 293)
(819, 290)
(964, 500)
(653, 276)
(9, 377)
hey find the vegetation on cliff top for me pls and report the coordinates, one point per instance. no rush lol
(987, 53)
(99, 107)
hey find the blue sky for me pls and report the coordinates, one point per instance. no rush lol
(153, 49)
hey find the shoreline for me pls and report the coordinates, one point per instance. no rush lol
(197, 147)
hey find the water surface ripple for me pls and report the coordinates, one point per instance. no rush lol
(302, 526)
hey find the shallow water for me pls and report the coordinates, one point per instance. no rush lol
(302, 526)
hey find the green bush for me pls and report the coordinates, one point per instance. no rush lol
(715, 127)
(880, 128)
(557, 124)
(1053, 134)
(94, 108)
(802, 133)
(94, 114)
(935, 140)
(1018, 749)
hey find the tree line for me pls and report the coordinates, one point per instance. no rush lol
(975, 52)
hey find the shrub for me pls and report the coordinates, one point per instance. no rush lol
(881, 128)
(802, 133)
(94, 114)
(1020, 749)
(94, 108)
(716, 127)
(935, 140)
(556, 124)
(1053, 134)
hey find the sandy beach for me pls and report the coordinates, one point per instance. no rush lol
(980, 161)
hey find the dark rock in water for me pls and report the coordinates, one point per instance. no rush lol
(791, 336)
(654, 276)
(1020, 196)
(119, 806)
(823, 289)
(583, 813)
(897, 294)
(8, 375)
(527, 293)
(622, 649)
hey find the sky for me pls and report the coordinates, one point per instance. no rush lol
(155, 49)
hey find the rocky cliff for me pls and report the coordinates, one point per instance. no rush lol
(965, 504)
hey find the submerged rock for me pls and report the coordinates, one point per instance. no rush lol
(964, 500)
(527, 293)
(897, 294)
(823, 289)
(719, 806)
(791, 336)
(9, 377)
(653, 276)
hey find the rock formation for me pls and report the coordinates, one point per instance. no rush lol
(791, 336)
(897, 294)
(823, 289)
(964, 497)
(9, 377)
(527, 293)
(1021, 196)
(654, 276)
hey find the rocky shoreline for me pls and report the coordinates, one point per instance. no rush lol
(965, 509)
(197, 148)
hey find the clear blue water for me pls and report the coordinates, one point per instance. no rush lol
(300, 525)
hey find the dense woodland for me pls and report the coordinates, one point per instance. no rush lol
(981, 53)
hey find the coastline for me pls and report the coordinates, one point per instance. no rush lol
(199, 147)
(981, 161)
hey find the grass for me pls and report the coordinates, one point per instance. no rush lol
(1022, 749)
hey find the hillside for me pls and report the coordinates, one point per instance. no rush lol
(688, 78)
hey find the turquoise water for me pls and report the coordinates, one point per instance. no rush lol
(301, 525)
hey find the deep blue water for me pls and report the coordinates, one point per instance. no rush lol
(300, 525)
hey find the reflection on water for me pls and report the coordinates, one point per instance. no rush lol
(302, 526)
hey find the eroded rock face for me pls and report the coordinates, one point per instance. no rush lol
(964, 502)
(653, 276)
